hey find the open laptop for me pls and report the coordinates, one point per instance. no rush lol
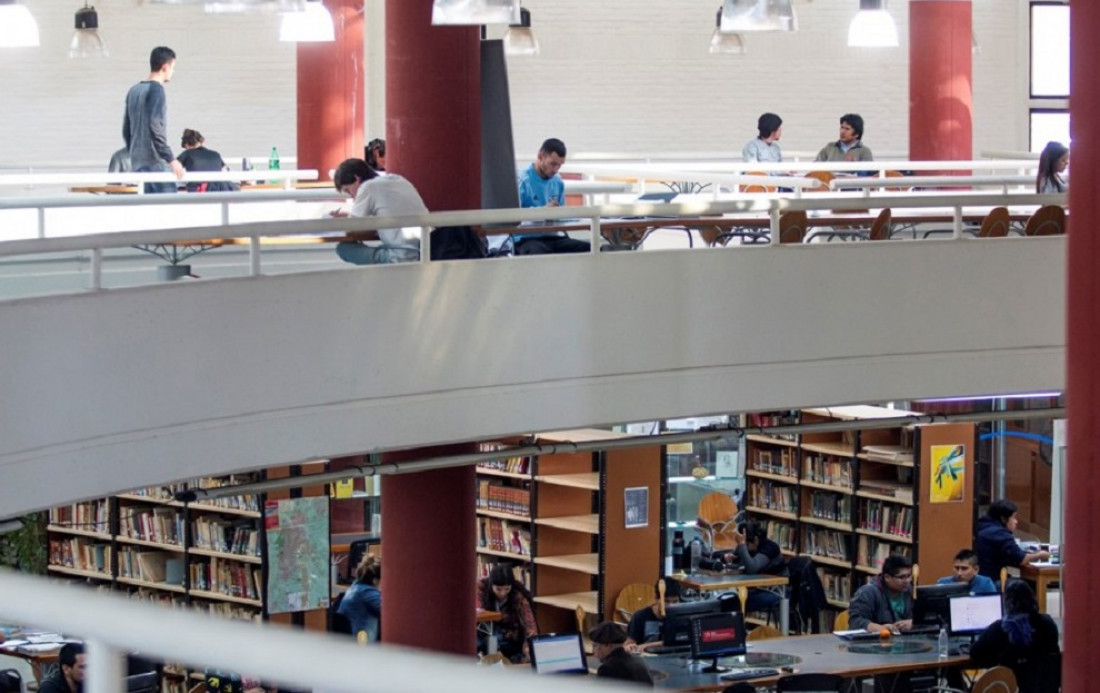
(557, 653)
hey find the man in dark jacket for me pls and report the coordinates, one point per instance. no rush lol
(995, 543)
(615, 662)
(886, 602)
(69, 677)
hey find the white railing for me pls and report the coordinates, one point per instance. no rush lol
(866, 184)
(104, 178)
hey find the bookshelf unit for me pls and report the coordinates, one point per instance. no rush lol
(850, 498)
(504, 522)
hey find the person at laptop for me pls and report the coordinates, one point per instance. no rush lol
(764, 147)
(966, 570)
(540, 185)
(849, 146)
(608, 644)
(1025, 641)
(647, 624)
(500, 591)
(885, 603)
(376, 195)
(757, 555)
(995, 543)
(69, 675)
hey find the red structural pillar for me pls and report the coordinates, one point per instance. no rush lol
(1081, 611)
(940, 87)
(429, 559)
(330, 92)
(433, 105)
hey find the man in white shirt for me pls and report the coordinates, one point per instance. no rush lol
(385, 195)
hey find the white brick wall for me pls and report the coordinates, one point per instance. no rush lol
(614, 76)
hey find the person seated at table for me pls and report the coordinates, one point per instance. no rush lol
(764, 147)
(1025, 641)
(756, 554)
(995, 543)
(850, 146)
(885, 603)
(362, 603)
(500, 591)
(540, 185)
(374, 195)
(647, 624)
(375, 154)
(609, 646)
(196, 157)
(69, 675)
(966, 570)
(1052, 163)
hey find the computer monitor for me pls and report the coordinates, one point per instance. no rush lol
(558, 653)
(972, 614)
(717, 635)
(148, 682)
(677, 628)
(932, 606)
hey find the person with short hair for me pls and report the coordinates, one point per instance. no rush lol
(1020, 640)
(362, 603)
(69, 676)
(885, 603)
(1052, 163)
(608, 641)
(757, 554)
(996, 544)
(966, 570)
(540, 185)
(377, 195)
(849, 146)
(764, 148)
(646, 625)
(502, 592)
(144, 122)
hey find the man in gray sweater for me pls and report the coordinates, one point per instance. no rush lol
(144, 126)
(886, 602)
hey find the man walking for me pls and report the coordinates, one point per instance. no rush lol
(144, 124)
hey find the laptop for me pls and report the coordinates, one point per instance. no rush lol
(557, 653)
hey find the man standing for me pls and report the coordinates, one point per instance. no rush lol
(966, 570)
(144, 124)
(765, 147)
(540, 185)
(373, 195)
(850, 145)
(69, 677)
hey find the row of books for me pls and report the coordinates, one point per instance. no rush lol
(901, 490)
(782, 533)
(779, 461)
(161, 525)
(245, 502)
(829, 470)
(91, 516)
(886, 517)
(773, 496)
(165, 492)
(830, 543)
(504, 499)
(836, 507)
(227, 577)
(838, 586)
(502, 535)
(871, 552)
(177, 601)
(81, 554)
(150, 566)
(228, 536)
(513, 465)
(779, 418)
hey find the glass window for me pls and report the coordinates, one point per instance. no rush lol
(1048, 125)
(1049, 50)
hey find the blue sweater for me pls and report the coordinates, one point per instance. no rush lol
(979, 585)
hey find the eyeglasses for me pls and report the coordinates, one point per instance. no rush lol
(902, 578)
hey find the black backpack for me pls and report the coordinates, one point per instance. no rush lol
(807, 595)
(10, 681)
(457, 243)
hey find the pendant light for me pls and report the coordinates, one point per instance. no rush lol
(520, 39)
(475, 12)
(312, 25)
(17, 26)
(758, 15)
(723, 42)
(87, 42)
(873, 27)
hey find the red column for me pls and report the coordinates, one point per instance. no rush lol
(429, 554)
(433, 105)
(940, 92)
(1082, 540)
(330, 92)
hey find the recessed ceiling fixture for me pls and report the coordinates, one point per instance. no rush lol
(520, 39)
(873, 27)
(722, 42)
(311, 25)
(17, 26)
(87, 42)
(467, 12)
(758, 15)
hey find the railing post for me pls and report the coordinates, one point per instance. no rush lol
(958, 222)
(104, 668)
(596, 237)
(41, 222)
(225, 213)
(425, 243)
(254, 255)
(96, 280)
(774, 225)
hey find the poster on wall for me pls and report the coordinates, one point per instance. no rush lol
(298, 554)
(948, 470)
(637, 507)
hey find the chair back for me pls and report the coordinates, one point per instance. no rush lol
(755, 187)
(634, 596)
(582, 628)
(916, 579)
(792, 227)
(995, 224)
(995, 680)
(841, 621)
(824, 176)
(715, 518)
(1048, 220)
(895, 188)
(763, 633)
(880, 228)
(817, 683)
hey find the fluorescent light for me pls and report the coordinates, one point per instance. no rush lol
(467, 12)
(722, 42)
(17, 26)
(86, 41)
(520, 39)
(311, 25)
(758, 15)
(873, 27)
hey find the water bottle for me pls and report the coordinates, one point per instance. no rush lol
(273, 161)
(677, 551)
(942, 643)
(696, 554)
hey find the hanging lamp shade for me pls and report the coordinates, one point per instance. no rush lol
(17, 26)
(311, 25)
(87, 43)
(520, 38)
(873, 27)
(758, 15)
(467, 12)
(722, 42)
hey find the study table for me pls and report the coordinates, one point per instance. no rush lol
(710, 582)
(1043, 575)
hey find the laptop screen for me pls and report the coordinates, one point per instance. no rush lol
(972, 614)
(558, 654)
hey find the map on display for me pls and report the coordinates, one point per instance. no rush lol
(298, 554)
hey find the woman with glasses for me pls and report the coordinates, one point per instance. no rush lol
(885, 603)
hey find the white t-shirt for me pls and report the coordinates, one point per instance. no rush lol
(390, 195)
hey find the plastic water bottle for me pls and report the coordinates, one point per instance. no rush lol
(678, 551)
(696, 554)
(273, 161)
(942, 643)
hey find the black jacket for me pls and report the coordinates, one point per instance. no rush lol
(624, 666)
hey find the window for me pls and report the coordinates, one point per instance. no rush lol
(1049, 74)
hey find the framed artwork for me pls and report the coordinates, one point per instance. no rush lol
(948, 470)
(637, 506)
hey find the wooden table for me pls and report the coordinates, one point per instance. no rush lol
(740, 583)
(1043, 575)
(821, 654)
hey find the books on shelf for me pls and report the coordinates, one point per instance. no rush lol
(782, 533)
(498, 497)
(81, 554)
(512, 465)
(828, 543)
(838, 586)
(89, 516)
(872, 551)
(894, 454)
(886, 517)
(835, 507)
(505, 536)
(773, 496)
(772, 461)
(823, 469)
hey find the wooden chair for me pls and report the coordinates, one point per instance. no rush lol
(1048, 220)
(895, 174)
(715, 518)
(763, 633)
(996, 223)
(755, 188)
(880, 228)
(1004, 579)
(792, 227)
(582, 628)
(200, 687)
(841, 621)
(818, 683)
(634, 596)
(995, 680)
(824, 176)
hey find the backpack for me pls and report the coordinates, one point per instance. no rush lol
(807, 595)
(10, 681)
(457, 243)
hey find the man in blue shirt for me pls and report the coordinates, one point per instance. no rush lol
(966, 570)
(540, 185)
(144, 126)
